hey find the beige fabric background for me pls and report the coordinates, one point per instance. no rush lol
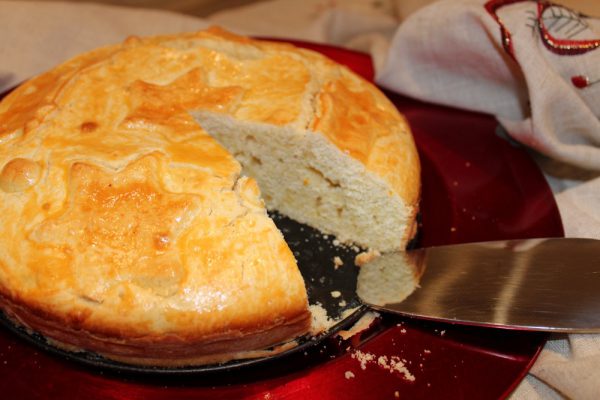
(204, 8)
(199, 8)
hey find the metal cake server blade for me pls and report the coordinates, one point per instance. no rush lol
(532, 284)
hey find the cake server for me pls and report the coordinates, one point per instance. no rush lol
(532, 284)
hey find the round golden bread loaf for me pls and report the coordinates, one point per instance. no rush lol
(132, 224)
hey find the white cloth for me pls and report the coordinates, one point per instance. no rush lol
(532, 95)
(450, 53)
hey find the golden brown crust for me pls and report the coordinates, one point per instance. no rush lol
(363, 123)
(124, 224)
(19, 174)
(169, 350)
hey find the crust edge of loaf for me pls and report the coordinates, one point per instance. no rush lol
(168, 350)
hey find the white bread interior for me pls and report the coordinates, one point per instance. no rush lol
(304, 176)
(389, 279)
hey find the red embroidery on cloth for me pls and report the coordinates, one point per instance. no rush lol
(563, 46)
(582, 81)
(492, 7)
(559, 45)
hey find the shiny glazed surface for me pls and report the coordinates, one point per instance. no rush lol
(476, 187)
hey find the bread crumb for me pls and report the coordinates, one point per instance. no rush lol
(397, 365)
(348, 375)
(402, 330)
(362, 324)
(366, 256)
(391, 364)
(320, 320)
(397, 394)
(442, 333)
(335, 294)
(426, 351)
(342, 303)
(363, 358)
(337, 262)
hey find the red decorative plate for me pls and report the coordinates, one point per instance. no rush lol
(476, 186)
